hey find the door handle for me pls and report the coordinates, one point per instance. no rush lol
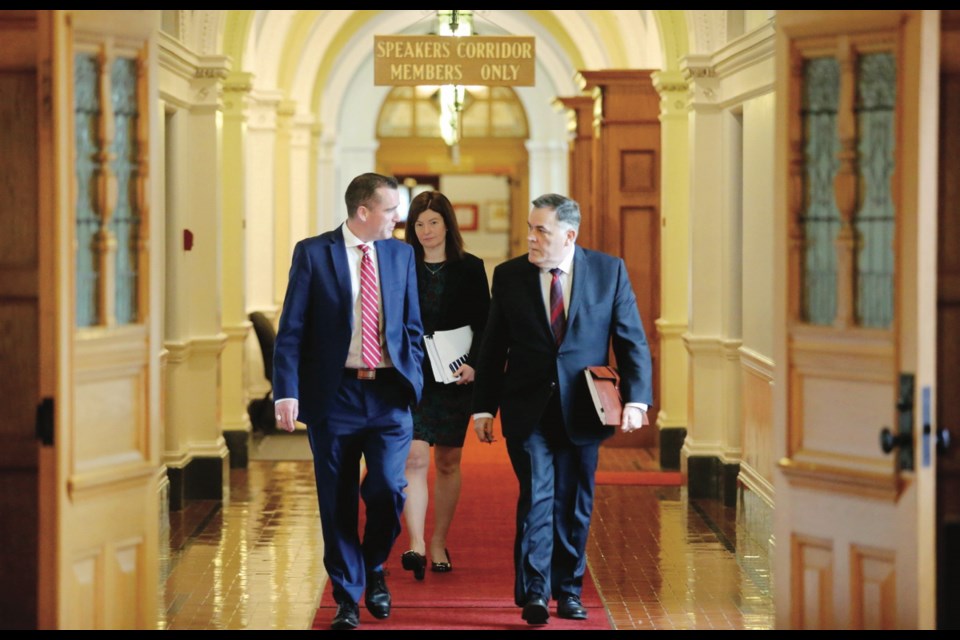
(903, 439)
(889, 441)
(943, 440)
(45, 421)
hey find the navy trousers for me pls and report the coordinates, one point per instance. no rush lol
(556, 479)
(371, 421)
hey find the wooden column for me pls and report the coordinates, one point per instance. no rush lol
(626, 197)
(580, 164)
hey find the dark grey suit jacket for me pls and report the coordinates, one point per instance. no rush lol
(520, 366)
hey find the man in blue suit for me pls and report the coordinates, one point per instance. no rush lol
(347, 363)
(554, 312)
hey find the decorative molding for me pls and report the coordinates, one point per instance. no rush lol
(703, 80)
(678, 87)
(727, 348)
(708, 28)
(674, 91)
(175, 57)
(177, 352)
(696, 66)
(692, 449)
(239, 330)
(882, 486)
(198, 28)
(666, 328)
(210, 345)
(214, 72)
(176, 459)
(262, 111)
(182, 350)
(239, 81)
(757, 484)
(756, 46)
(757, 363)
(731, 455)
(674, 39)
(212, 449)
(86, 485)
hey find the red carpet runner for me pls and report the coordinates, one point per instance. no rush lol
(478, 593)
(639, 478)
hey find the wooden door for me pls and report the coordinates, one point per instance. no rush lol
(19, 320)
(100, 285)
(948, 329)
(625, 202)
(857, 100)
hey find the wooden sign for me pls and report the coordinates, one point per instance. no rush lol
(496, 61)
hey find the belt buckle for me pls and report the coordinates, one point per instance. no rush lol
(366, 374)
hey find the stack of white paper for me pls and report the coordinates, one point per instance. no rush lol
(448, 350)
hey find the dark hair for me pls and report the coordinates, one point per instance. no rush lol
(362, 190)
(568, 211)
(434, 201)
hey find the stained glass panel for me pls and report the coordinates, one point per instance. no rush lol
(820, 220)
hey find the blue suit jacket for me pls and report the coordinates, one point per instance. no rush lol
(313, 338)
(520, 366)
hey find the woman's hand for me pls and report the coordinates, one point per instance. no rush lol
(465, 374)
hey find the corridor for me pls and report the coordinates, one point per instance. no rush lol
(660, 560)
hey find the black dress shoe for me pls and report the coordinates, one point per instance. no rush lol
(413, 561)
(348, 616)
(442, 567)
(571, 608)
(536, 611)
(377, 597)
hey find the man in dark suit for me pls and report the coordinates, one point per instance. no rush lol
(554, 312)
(347, 362)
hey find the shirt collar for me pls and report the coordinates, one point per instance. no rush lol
(350, 239)
(566, 265)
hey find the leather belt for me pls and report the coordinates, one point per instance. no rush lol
(367, 374)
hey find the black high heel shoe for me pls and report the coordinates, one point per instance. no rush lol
(442, 567)
(413, 561)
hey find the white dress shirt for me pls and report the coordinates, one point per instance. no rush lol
(354, 356)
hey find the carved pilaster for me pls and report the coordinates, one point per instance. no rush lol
(580, 162)
(703, 82)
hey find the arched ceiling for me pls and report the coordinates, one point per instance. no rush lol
(300, 53)
(312, 58)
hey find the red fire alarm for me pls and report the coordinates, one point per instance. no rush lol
(187, 239)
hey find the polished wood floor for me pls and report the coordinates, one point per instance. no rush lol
(660, 560)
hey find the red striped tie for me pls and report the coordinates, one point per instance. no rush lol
(558, 320)
(370, 310)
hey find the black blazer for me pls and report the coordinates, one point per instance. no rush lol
(466, 300)
(520, 366)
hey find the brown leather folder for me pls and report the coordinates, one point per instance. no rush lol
(603, 382)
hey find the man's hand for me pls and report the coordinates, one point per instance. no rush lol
(484, 429)
(287, 411)
(632, 419)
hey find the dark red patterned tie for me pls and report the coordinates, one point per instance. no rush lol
(558, 320)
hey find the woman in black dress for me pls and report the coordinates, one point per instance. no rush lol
(453, 293)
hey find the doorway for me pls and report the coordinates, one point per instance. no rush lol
(948, 329)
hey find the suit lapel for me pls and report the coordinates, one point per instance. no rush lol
(581, 275)
(341, 271)
(535, 292)
(389, 279)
